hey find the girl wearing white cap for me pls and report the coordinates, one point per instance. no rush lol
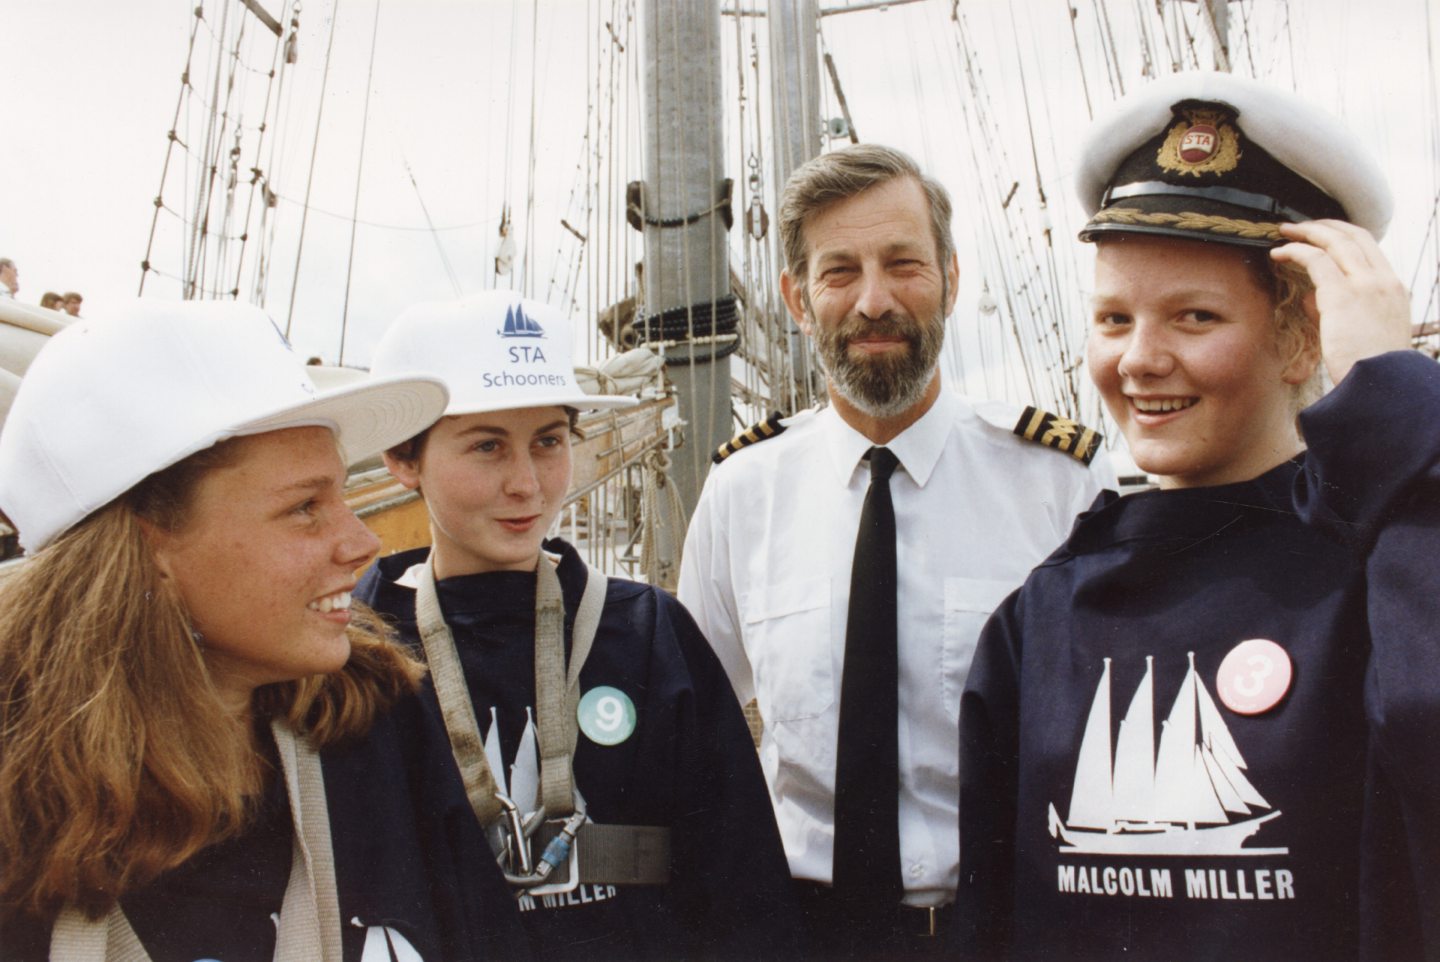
(575, 705)
(1173, 745)
(181, 644)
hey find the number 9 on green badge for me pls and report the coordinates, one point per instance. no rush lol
(607, 715)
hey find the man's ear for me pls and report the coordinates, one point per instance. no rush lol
(793, 293)
(952, 275)
(406, 472)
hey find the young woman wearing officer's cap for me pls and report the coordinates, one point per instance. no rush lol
(180, 650)
(1173, 745)
(576, 704)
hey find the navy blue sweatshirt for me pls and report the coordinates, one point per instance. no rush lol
(1373, 478)
(689, 764)
(1111, 805)
(1348, 762)
(411, 865)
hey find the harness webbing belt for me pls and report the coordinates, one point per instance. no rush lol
(611, 854)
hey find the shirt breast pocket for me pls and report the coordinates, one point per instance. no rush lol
(969, 602)
(787, 626)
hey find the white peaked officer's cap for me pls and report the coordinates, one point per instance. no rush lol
(496, 351)
(1216, 157)
(109, 401)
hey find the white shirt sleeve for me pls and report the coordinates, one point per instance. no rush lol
(707, 590)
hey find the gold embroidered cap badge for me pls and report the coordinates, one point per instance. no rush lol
(1203, 143)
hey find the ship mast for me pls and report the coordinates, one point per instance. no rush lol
(683, 210)
(795, 99)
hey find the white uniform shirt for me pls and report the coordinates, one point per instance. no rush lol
(766, 573)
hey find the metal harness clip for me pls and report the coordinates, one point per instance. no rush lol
(532, 876)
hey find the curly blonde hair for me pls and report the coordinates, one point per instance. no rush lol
(1295, 331)
(118, 761)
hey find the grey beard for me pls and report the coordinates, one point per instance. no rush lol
(881, 387)
(878, 396)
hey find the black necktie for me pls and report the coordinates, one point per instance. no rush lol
(867, 770)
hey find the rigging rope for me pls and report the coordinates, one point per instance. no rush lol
(511, 49)
(1107, 47)
(197, 223)
(1245, 12)
(284, 102)
(425, 211)
(1075, 40)
(526, 282)
(170, 146)
(310, 178)
(257, 176)
(213, 238)
(359, 178)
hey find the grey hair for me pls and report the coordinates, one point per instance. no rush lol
(843, 174)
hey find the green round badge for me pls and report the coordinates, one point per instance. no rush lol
(607, 715)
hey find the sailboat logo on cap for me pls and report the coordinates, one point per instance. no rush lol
(1178, 802)
(518, 324)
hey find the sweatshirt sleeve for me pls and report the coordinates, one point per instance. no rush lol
(1370, 442)
(1372, 477)
(989, 785)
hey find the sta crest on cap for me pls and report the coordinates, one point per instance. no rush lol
(496, 351)
(1213, 156)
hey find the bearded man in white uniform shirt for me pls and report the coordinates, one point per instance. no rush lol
(871, 276)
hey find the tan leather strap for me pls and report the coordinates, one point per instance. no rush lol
(454, 697)
(310, 914)
(557, 694)
(75, 938)
(622, 854)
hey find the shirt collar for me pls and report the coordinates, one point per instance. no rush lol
(918, 447)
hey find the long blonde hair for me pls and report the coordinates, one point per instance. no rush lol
(118, 760)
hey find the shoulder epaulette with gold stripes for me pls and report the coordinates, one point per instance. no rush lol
(1060, 433)
(754, 434)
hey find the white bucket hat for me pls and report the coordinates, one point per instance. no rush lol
(496, 351)
(109, 402)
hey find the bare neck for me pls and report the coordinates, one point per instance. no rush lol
(451, 561)
(885, 430)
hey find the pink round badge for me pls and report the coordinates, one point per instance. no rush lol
(1253, 677)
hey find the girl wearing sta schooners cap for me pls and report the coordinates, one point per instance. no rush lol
(576, 704)
(1179, 739)
(199, 734)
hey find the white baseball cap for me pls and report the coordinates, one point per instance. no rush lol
(108, 402)
(496, 351)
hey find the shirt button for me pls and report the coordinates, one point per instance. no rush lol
(917, 870)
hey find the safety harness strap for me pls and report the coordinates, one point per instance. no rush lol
(625, 854)
(310, 913)
(454, 697)
(611, 854)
